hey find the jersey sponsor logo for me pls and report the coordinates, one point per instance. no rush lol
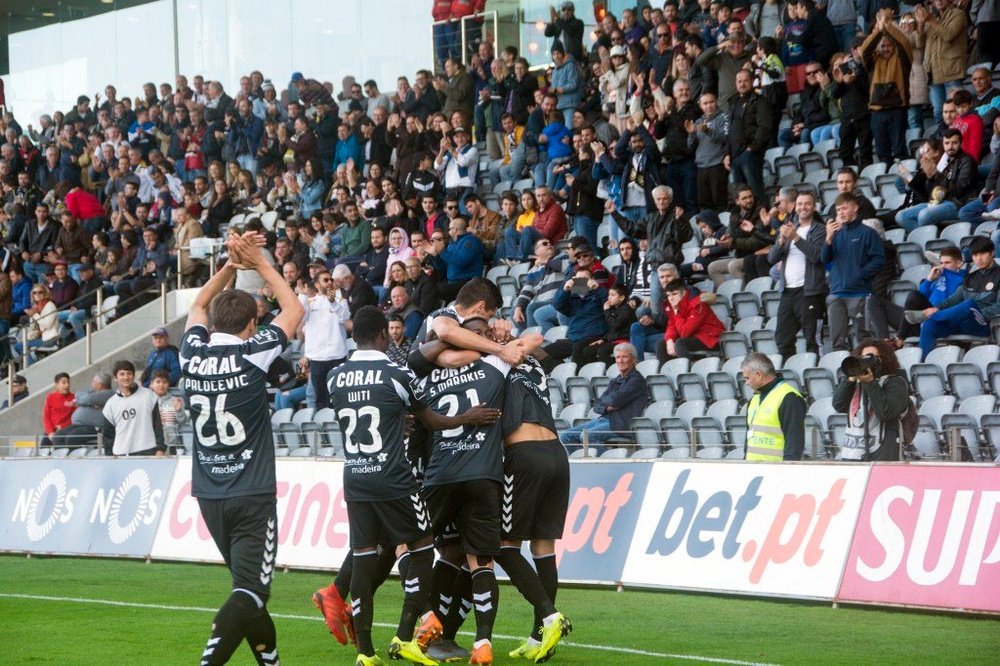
(214, 365)
(358, 378)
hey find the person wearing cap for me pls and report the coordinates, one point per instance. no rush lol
(566, 28)
(20, 391)
(458, 159)
(311, 92)
(566, 82)
(163, 356)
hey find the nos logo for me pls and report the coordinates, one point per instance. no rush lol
(122, 509)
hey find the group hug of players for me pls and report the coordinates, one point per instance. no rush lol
(478, 471)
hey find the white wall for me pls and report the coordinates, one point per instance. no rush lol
(220, 39)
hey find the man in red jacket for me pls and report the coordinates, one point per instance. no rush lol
(691, 325)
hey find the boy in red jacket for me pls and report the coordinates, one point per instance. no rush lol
(59, 406)
(691, 325)
(969, 123)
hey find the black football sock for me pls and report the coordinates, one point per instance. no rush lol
(403, 565)
(228, 628)
(548, 575)
(460, 606)
(442, 588)
(263, 639)
(415, 576)
(485, 595)
(362, 599)
(526, 581)
(343, 580)
(386, 560)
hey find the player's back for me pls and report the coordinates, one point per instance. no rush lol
(527, 398)
(471, 452)
(372, 396)
(225, 387)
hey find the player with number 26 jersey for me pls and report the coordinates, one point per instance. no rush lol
(225, 381)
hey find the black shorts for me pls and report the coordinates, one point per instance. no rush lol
(471, 507)
(398, 521)
(535, 491)
(246, 531)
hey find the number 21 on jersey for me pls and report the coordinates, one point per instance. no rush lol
(452, 401)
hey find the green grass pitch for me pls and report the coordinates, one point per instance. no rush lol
(124, 612)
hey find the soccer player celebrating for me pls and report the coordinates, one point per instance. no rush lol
(463, 478)
(233, 478)
(535, 495)
(372, 396)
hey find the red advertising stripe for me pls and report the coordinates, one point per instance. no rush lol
(928, 535)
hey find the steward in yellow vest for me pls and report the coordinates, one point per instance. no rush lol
(776, 415)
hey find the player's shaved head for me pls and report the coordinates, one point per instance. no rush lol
(232, 311)
(371, 328)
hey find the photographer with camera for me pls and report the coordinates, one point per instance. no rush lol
(850, 89)
(875, 395)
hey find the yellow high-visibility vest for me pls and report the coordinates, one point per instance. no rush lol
(765, 440)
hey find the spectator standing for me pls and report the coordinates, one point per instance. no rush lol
(888, 57)
(625, 398)
(850, 89)
(566, 29)
(59, 406)
(776, 415)
(919, 95)
(134, 415)
(665, 230)
(458, 90)
(171, 407)
(565, 79)
(707, 135)
(323, 329)
(458, 160)
(874, 402)
(854, 255)
(727, 60)
(356, 292)
(750, 128)
(803, 297)
(946, 48)
(163, 356)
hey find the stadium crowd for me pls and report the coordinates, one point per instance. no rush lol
(618, 193)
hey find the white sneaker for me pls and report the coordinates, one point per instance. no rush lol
(992, 215)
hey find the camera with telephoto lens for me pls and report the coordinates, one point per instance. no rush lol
(854, 366)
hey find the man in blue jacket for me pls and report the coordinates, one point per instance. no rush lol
(941, 282)
(463, 257)
(163, 356)
(348, 148)
(853, 254)
(581, 299)
(565, 80)
(625, 398)
(245, 132)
